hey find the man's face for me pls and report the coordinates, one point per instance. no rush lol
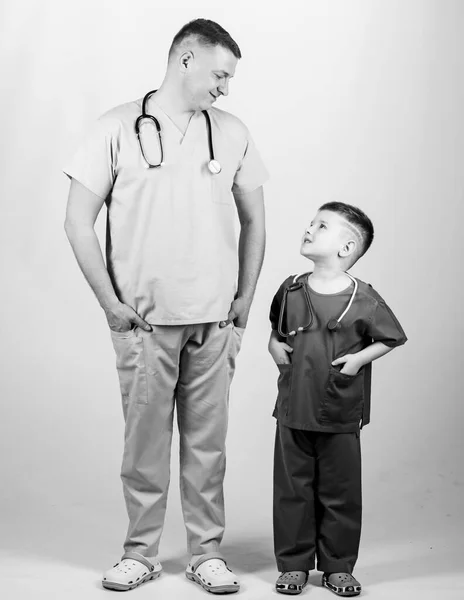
(208, 76)
(326, 236)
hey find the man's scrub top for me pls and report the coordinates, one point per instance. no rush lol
(171, 245)
(312, 394)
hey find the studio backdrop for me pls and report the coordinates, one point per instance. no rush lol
(359, 101)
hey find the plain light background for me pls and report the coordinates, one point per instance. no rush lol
(355, 100)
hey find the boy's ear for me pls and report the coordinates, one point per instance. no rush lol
(347, 249)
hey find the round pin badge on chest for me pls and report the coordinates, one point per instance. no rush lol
(214, 167)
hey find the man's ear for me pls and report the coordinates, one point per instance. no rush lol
(347, 249)
(186, 60)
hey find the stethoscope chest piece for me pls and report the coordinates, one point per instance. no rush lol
(334, 325)
(214, 167)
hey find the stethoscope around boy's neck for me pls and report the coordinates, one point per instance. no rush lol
(300, 283)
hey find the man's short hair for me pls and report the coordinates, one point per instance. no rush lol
(208, 33)
(359, 221)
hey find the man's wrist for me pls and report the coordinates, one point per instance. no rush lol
(247, 296)
(110, 305)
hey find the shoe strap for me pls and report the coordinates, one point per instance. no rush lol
(352, 580)
(141, 559)
(205, 557)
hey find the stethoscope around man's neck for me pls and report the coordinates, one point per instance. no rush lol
(300, 282)
(213, 165)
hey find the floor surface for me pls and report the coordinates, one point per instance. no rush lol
(387, 570)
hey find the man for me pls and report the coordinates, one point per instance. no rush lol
(169, 289)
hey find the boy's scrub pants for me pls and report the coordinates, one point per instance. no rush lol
(317, 500)
(190, 366)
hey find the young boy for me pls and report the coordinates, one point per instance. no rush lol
(327, 328)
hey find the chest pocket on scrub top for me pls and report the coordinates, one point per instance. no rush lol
(344, 398)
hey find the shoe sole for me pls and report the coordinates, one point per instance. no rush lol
(334, 589)
(219, 589)
(290, 592)
(121, 587)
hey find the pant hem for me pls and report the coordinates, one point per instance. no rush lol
(195, 551)
(294, 566)
(335, 568)
(152, 558)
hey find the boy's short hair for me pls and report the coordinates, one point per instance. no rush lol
(359, 221)
(208, 33)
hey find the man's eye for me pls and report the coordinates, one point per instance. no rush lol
(322, 226)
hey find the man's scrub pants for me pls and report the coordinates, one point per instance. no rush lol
(317, 500)
(190, 367)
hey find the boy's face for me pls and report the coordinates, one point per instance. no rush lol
(326, 236)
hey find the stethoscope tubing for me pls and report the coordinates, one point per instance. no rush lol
(213, 164)
(333, 325)
(355, 289)
(210, 134)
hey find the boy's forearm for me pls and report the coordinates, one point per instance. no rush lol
(372, 352)
(274, 337)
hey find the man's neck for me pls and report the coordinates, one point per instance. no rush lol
(170, 99)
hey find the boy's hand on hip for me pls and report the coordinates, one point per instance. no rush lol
(280, 352)
(350, 364)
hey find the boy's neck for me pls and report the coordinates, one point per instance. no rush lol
(328, 279)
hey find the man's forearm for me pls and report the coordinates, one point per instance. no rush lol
(87, 251)
(251, 247)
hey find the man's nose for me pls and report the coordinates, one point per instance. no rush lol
(224, 88)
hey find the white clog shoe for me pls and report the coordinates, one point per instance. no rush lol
(212, 573)
(133, 570)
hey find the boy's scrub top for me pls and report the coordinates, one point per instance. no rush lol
(171, 246)
(312, 394)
